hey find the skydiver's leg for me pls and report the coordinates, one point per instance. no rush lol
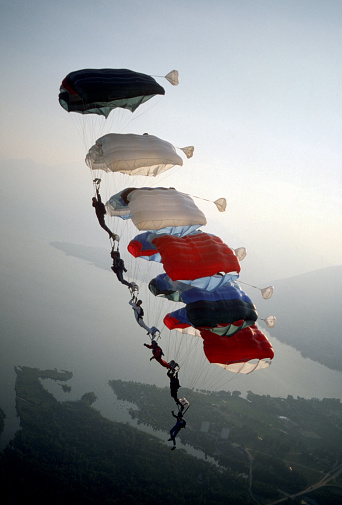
(105, 227)
(172, 432)
(164, 363)
(174, 395)
(141, 323)
(119, 275)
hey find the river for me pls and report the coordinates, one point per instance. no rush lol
(55, 316)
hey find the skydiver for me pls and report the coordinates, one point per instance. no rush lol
(181, 423)
(119, 267)
(174, 386)
(157, 354)
(100, 211)
(139, 313)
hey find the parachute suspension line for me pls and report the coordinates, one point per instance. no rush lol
(164, 175)
(222, 379)
(183, 348)
(79, 128)
(143, 109)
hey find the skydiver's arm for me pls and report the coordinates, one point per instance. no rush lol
(149, 346)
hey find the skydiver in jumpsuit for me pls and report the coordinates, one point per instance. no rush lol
(100, 211)
(138, 313)
(119, 267)
(174, 386)
(157, 354)
(181, 423)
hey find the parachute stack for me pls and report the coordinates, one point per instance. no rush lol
(201, 272)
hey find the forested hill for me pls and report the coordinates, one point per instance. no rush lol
(67, 453)
(266, 449)
(308, 310)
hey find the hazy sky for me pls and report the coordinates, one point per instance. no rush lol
(259, 98)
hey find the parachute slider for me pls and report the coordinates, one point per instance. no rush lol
(184, 405)
(97, 183)
(134, 288)
(174, 368)
(154, 334)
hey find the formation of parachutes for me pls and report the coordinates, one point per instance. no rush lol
(200, 272)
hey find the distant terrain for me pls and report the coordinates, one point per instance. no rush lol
(307, 310)
(268, 450)
(306, 307)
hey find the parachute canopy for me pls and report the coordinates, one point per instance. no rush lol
(245, 351)
(156, 208)
(98, 91)
(132, 154)
(194, 256)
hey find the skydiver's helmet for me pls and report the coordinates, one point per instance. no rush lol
(154, 343)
